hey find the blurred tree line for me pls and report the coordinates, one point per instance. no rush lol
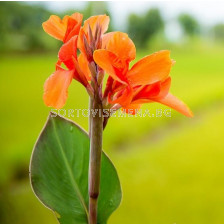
(189, 24)
(20, 26)
(142, 28)
(21, 30)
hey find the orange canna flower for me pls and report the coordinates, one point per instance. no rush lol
(147, 81)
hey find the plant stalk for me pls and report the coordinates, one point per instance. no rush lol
(96, 134)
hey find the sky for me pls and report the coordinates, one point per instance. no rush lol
(207, 13)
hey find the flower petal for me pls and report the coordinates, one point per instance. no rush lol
(147, 92)
(164, 88)
(102, 20)
(150, 69)
(153, 91)
(67, 51)
(121, 45)
(105, 59)
(123, 97)
(81, 45)
(63, 29)
(176, 104)
(56, 27)
(106, 38)
(73, 26)
(56, 88)
(83, 64)
(79, 75)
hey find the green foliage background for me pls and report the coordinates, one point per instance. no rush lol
(171, 169)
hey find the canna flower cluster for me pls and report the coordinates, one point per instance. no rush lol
(107, 56)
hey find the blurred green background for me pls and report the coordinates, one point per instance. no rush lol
(171, 169)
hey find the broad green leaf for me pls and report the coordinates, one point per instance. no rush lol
(59, 173)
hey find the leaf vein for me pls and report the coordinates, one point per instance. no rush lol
(73, 181)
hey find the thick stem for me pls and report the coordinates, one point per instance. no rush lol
(96, 133)
(90, 115)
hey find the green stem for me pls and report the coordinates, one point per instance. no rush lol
(96, 134)
(90, 115)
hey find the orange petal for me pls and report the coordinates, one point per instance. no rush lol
(67, 51)
(56, 27)
(154, 91)
(152, 68)
(108, 87)
(102, 20)
(77, 16)
(56, 88)
(147, 92)
(80, 41)
(105, 60)
(121, 45)
(83, 64)
(123, 97)
(164, 88)
(63, 29)
(58, 65)
(73, 26)
(176, 104)
(106, 38)
(78, 74)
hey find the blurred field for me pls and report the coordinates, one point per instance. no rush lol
(171, 169)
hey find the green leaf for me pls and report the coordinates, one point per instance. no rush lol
(59, 173)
